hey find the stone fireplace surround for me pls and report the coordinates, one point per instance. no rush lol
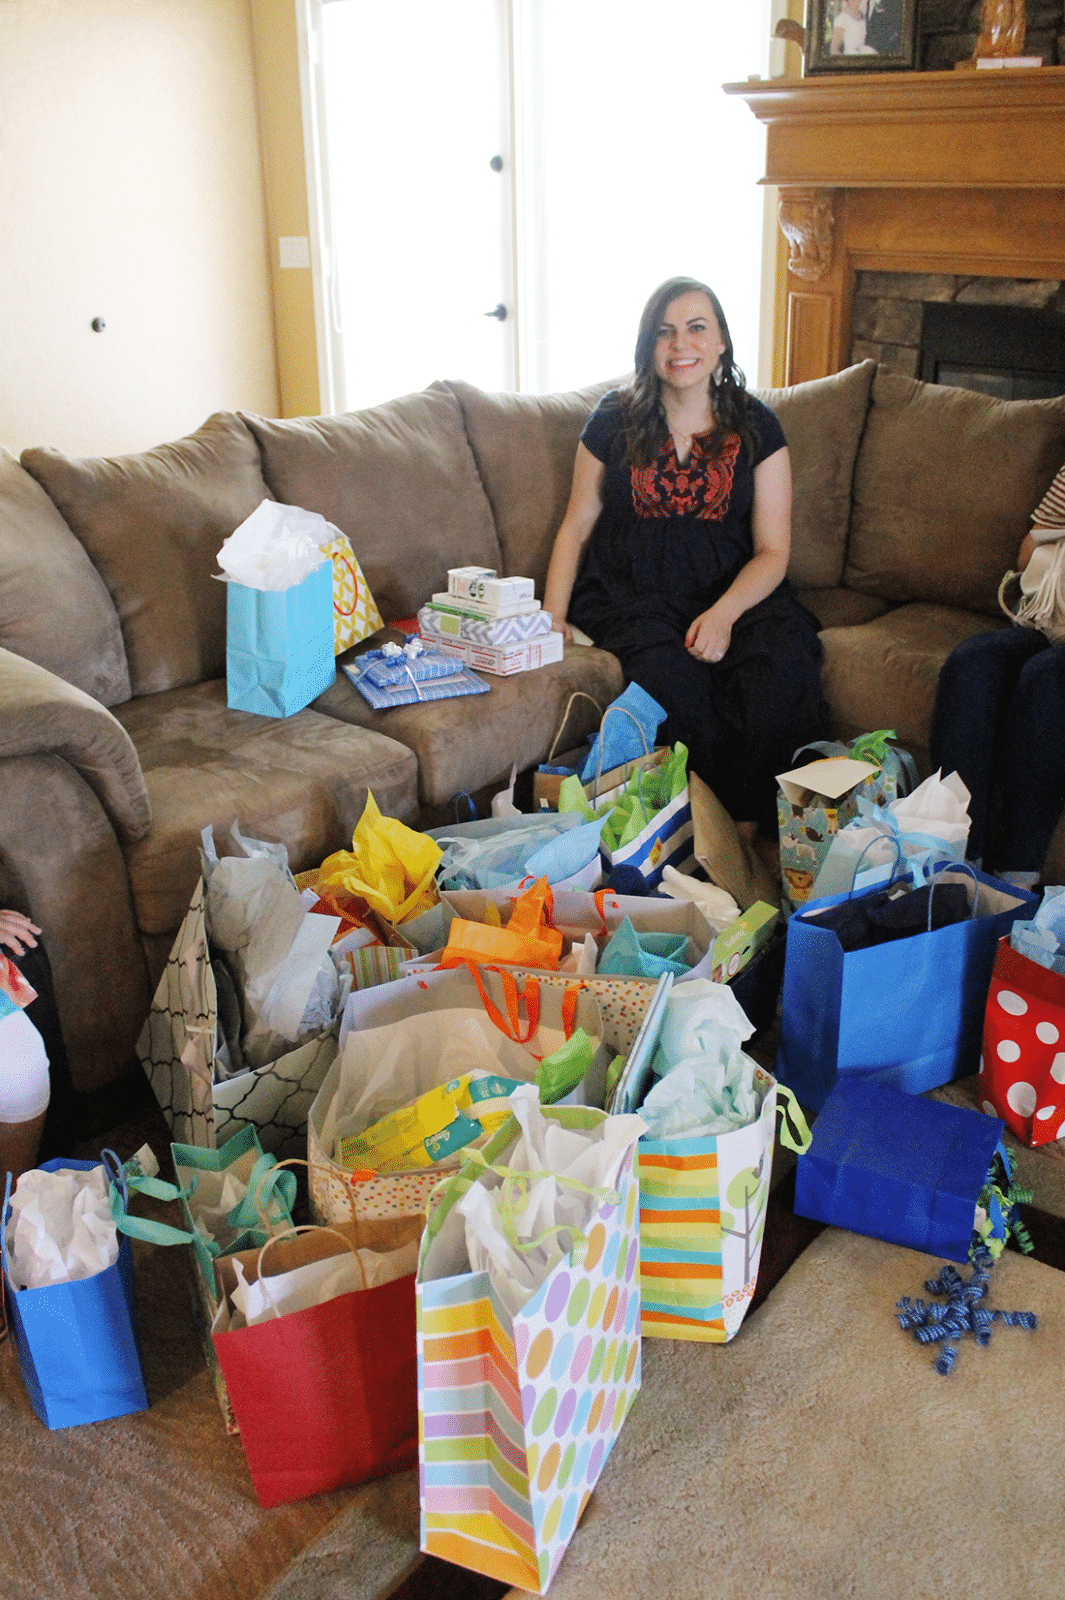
(953, 177)
(888, 309)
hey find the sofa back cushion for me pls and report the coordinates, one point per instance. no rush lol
(944, 487)
(153, 525)
(399, 479)
(525, 446)
(54, 606)
(822, 421)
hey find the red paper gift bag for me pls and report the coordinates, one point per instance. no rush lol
(1022, 1067)
(326, 1397)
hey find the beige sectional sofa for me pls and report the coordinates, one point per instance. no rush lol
(116, 744)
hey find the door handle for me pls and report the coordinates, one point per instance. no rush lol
(499, 312)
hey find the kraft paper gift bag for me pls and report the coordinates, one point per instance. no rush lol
(399, 1040)
(321, 1364)
(898, 1167)
(703, 1195)
(179, 1047)
(1022, 1065)
(522, 1394)
(907, 1013)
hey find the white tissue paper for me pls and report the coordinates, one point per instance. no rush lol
(706, 1083)
(60, 1227)
(716, 905)
(318, 1281)
(276, 547)
(277, 951)
(588, 1157)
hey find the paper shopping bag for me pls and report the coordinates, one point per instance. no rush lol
(650, 826)
(77, 1340)
(264, 1208)
(897, 1166)
(178, 1046)
(518, 1411)
(355, 613)
(325, 1396)
(401, 1039)
(279, 644)
(703, 1202)
(907, 1013)
(1022, 1065)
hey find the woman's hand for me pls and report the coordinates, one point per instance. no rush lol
(17, 932)
(710, 635)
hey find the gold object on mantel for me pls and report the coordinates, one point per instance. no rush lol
(916, 172)
(1002, 29)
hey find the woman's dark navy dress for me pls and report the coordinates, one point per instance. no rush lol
(668, 543)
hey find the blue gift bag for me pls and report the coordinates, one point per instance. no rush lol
(279, 645)
(76, 1342)
(897, 1167)
(908, 1013)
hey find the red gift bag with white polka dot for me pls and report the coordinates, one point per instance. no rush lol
(1022, 1068)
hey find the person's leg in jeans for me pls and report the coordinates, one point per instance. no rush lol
(971, 712)
(1031, 771)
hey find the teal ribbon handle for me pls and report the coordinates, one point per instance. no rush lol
(124, 1182)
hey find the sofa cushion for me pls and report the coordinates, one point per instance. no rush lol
(301, 781)
(883, 673)
(54, 606)
(465, 744)
(153, 525)
(822, 421)
(840, 608)
(399, 480)
(944, 486)
(525, 446)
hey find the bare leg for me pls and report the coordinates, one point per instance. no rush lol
(19, 1144)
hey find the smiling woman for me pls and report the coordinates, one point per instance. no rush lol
(674, 549)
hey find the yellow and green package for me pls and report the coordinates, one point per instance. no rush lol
(390, 866)
(439, 1122)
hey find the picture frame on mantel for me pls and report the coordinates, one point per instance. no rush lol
(860, 36)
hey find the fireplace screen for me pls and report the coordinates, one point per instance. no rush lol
(1012, 352)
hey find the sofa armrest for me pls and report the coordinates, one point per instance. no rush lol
(41, 714)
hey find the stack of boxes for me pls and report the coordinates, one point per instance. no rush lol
(493, 624)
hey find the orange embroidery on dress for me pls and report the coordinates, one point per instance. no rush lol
(701, 488)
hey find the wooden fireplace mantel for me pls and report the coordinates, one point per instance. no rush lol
(930, 172)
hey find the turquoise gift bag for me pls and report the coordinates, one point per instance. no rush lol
(279, 645)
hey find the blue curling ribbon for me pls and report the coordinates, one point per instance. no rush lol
(958, 1311)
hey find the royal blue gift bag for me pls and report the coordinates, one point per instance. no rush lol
(77, 1341)
(907, 1012)
(279, 644)
(898, 1167)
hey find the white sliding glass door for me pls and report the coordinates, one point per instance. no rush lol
(550, 161)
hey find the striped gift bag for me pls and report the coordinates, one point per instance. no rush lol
(702, 1214)
(518, 1412)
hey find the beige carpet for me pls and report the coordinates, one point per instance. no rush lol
(819, 1455)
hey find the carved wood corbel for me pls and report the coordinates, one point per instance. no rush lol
(807, 221)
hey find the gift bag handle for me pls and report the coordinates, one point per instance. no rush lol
(121, 1184)
(625, 712)
(957, 866)
(511, 1024)
(789, 1109)
(578, 694)
(290, 1233)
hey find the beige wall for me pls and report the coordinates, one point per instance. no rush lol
(131, 189)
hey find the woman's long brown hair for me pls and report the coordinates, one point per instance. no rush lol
(646, 428)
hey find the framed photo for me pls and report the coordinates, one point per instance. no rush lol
(860, 35)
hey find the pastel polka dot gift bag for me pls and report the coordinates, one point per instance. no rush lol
(528, 1296)
(1022, 1065)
